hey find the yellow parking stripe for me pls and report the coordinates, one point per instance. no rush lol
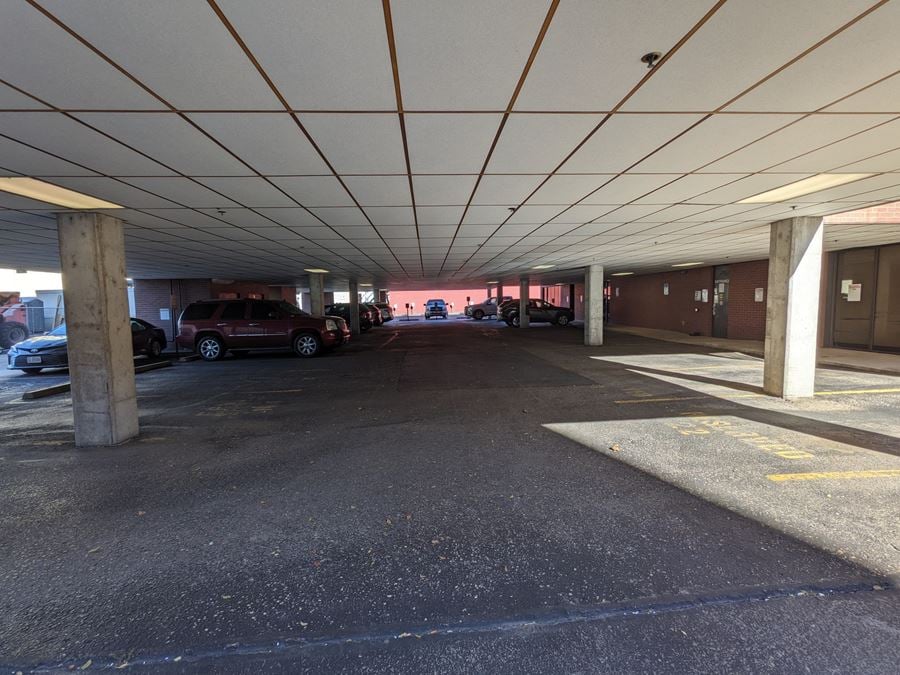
(894, 390)
(835, 475)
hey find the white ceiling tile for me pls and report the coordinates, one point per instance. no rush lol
(886, 186)
(248, 191)
(436, 231)
(505, 189)
(182, 190)
(31, 56)
(448, 61)
(397, 231)
(314, 190)
(689, 186)
(19, 158)
(443, 190)
(449, 143)
(73, 141)
(271, 143)
(439, 215)
(883, 161)
(178, 49)
(568, 188)
(823, 76)
(379, 190)
(534, 214)
(113, 191)
(391, 215)
(538, 143)
(740, 45)
(590, 57)
(10, 99)
(581, 213)
(321, 55)
(882, 97)
(710, 140)
(626, 213)
(480, 215)
(798, 138)
(745, 187)
(169, 139)
(627, 187)
(358, 143)
(342, 216)
(624, 140)
(849, 150)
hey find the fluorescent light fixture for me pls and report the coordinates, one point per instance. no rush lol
(804, 187)
(52, 194)
(315, 270)
(693, 264)
(542, 267)
(621, 274)
(493, 282)
(365, 284)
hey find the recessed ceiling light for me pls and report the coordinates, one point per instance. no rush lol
(542, 267)
(315, 270)
(804, 187)
(692, 264)
(620, 274)
(52, 194)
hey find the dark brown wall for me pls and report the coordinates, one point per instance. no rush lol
(640, 301)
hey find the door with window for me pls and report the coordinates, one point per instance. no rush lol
(268, 325)
(720, 301)
(232, 323)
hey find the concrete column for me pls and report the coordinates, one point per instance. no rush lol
(382, 295)
(524, 289)
(354, 307)
(593, 305)
(316, 294)
(792, 307)
(101, 363)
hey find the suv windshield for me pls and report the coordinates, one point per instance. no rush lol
(436, 302)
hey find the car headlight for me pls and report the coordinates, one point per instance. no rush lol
(330, 324)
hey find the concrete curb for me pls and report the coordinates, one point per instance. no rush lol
(66, 386)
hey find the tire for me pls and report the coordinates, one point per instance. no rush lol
(307, 345)
(478, 315)
(32, 371)
(154, 349)
(12, 332)
(211, 348)
(514, 321)
(562, 320)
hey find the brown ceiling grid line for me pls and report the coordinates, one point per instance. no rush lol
(268, 80)
(172, 109)
(684, 38)
(395, 71)
(720, 110)
(538, 41)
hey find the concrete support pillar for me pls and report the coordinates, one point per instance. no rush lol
(524, 289)
(101, 363)
(316, 294)
(354, 307)
(382, 295)
(792, 307)
(593, 305)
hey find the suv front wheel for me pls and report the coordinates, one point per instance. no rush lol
(211, 348)
(307, 345)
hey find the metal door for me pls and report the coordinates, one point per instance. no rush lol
(854, 298)
(720, 301)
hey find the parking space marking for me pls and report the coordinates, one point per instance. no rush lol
(842, 392)
(834, 475)
(850, 392)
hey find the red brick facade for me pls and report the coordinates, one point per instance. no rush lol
(746, 317)
(641, 301)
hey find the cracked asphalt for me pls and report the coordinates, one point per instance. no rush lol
(458, 496)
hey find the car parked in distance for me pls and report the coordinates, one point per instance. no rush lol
(375, 313)
(539, 311)
(342, 309)
(387, 312)
(51, 350)
(436, 307)
(214, 327)
(486, 308)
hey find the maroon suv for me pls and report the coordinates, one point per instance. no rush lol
(212, 327)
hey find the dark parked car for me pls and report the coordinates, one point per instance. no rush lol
(213, 327)
(342, 309)
(436, 307)
(387, 312)
(539, 311)
(51, 350)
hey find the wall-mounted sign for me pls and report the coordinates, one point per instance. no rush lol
(704, 294)
(845, 286)
(697, 296)
(617, 291)
(759, 294)
(854, 293)
(665, 289)
(164, 314)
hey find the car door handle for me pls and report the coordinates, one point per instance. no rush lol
(252, 324)
(221, 324)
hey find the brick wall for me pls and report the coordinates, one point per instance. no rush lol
(641, 302)
(152, 295)
(746, 317)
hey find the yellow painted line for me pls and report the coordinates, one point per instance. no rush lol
(835, 475)
(662, 400)
(848, 392)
